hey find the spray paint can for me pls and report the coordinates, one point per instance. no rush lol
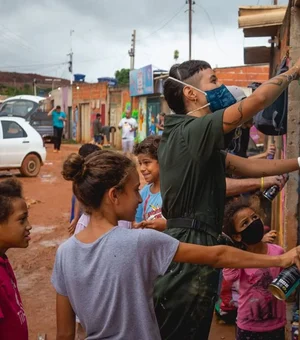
(270, 156)
(286, 283)
(272, 192)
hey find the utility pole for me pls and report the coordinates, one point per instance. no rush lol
(71, 58)
(275, 2)
(190, 3)
(34, 86)
(131, 52)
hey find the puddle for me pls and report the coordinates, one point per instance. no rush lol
(48, 163)
(48, 178)
(38, 229)
(51, 243)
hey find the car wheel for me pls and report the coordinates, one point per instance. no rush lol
(31, 166)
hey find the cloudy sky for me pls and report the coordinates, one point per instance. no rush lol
(35, 34)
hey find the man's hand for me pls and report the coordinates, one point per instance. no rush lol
(290, 258)
(274, 180)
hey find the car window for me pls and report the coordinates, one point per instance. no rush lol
(17, 107)
(12, 130)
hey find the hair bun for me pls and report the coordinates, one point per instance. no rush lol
(73, 167)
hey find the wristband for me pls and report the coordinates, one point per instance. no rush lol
(298, 159)
(262, 180)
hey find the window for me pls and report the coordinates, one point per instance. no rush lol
(12, 130)
(19, 108)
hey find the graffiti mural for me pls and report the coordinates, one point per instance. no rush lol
(142, 118)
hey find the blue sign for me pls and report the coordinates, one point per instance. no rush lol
(141, 81)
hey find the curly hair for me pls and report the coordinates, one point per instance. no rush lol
(149, 146)
(230, 211)
(10, 189)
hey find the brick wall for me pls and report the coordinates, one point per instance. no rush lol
(95, 94)
(243, 75)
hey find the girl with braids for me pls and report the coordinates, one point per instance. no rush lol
(192, 182)
(106, 274)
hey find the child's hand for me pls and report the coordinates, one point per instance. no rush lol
(136, 225)
(72, 227)
(270, 237)
(159, 224)
(290, 258)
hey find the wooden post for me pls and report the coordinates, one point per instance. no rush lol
(293, 139)
(291, 218)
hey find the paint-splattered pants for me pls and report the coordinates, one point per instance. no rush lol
(185, 296)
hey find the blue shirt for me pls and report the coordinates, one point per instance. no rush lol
(150, 208)
(55, 119)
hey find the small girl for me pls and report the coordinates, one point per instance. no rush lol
(149, 214)
(14, 233)
(260, 315)
(106, 274)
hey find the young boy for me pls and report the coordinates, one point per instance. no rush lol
(149, 213)
(14, 233)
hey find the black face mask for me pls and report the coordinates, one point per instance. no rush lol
(253, 233)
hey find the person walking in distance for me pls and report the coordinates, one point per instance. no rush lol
(128, 126)
(97, 129)
(58, 119)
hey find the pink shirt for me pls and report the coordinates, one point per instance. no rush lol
(13, 323)
(258, 309)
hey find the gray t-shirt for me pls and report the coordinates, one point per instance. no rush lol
(110, 282)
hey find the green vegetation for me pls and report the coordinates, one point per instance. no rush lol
(122, 76)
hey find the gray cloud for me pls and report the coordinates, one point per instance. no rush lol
(37, 32)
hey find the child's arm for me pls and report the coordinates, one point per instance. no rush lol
(229, 257)
(76, 218)
(65, 318)
(159, 224)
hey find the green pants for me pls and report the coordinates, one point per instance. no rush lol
(185, 296)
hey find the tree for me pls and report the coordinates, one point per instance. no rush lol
(122, 76)
(176, 55)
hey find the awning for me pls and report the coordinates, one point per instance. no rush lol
(261, 21)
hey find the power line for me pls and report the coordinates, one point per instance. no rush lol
(164, 25)
(31, 66)
(213, 28)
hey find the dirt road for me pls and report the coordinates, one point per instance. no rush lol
(49, 197)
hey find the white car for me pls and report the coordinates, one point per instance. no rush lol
(21, 146)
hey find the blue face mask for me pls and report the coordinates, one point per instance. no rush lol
(217, 99)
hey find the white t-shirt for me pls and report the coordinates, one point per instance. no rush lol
(127, 124)
(85, 220)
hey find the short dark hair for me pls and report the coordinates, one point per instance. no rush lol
(58, 107)
(10, 189)
(173, 91)
(149, 146)
(98, 115)
(94, 175)
(87, 149)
